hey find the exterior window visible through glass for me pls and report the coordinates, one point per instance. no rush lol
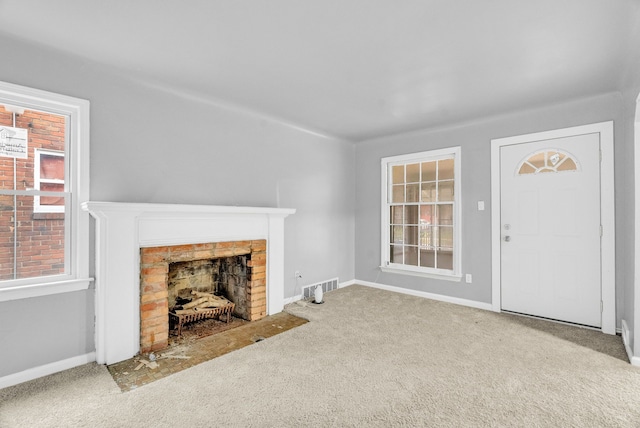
(421, 204)
(32, 199)
(49, 177)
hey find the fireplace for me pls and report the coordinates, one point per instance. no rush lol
(123, 230)
(172, 276)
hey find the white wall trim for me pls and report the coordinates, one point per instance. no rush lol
(624, 333)
(635, 332)
(45, 289)
(47, 369)
(293, 299)
(348, 283)
(607, 212)
(426, 295)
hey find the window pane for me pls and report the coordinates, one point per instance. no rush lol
(413, 173)
(32, 247)
(567, 165)
(428, 258)
(51, 167)
(413, 192)
(411, 214)
(445, 214)
(52, 200)
(445, 191)
(411, 235)
(446, 237)
(445, 169)
(537, 160)
(426, 214)
(398, 174)
(428, 193)
(396, 214)
(429, 171)
(526, 169)
(398, 194)
(395, 254)
(411, 256)
(396, 235)
(6, 237)
(445, 260)
(427, 237)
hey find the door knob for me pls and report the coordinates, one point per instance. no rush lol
(507, 238)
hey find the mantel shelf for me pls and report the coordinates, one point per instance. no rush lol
(137, 208)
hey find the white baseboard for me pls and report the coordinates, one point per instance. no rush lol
(624, 332)
(439, 297)
(347, 283)
(47, 369)
(288, 300)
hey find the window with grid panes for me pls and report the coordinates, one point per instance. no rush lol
(421, 213)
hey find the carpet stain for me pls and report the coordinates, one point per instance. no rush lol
(193, 349)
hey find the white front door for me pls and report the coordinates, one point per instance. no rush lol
(550, 229)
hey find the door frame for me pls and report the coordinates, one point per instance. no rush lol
(607, 213)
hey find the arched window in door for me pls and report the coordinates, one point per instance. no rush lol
(547, 160)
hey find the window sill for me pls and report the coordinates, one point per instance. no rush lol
(47, 216)
(442, 276)
(46, 289)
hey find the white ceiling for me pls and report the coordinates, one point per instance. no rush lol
(355, 69)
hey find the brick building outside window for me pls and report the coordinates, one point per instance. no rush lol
(32, 228)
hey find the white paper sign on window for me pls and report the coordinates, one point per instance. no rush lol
(13, 142)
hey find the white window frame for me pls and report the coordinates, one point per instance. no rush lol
(37, 208)
(427, 156)
(76, 276)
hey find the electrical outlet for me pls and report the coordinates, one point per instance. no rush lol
(468, 278)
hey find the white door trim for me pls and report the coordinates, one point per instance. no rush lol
(634, 357)
(607, 212)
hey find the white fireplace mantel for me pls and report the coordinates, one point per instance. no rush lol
(123, 228)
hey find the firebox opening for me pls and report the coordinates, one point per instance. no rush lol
(199, 290)
(210, 281)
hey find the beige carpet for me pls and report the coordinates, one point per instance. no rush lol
(367, 358)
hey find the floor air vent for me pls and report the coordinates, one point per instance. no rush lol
(328, 285)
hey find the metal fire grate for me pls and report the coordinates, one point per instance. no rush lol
(178, 320)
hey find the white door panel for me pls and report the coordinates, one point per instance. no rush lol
(550, 228)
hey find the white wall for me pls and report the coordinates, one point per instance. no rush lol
(475, 139)
(151, 146)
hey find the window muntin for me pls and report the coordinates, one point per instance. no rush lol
(55, 256)
(421, 212)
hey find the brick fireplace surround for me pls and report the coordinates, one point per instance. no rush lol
(124, 229)
(154, 269)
